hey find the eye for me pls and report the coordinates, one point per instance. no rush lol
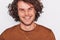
(21, 9)
(31, 8)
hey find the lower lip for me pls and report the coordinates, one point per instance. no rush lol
(27, 19)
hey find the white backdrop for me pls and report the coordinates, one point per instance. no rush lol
(50, 18)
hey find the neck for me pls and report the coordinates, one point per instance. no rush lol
(27, 28)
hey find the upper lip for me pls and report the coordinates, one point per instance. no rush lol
(28, 17)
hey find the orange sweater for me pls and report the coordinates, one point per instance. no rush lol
(1, 38)
(39, 33)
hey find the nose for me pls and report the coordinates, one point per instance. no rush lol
(26, 13)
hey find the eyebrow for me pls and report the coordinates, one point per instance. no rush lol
(28, 8)
(32, 7)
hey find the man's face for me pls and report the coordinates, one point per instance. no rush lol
(26, 12)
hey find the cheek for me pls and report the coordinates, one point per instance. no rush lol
(20, 14)
(32, 13)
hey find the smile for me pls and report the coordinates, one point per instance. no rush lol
(27, 17)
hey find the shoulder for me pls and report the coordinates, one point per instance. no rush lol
(1, 38)
(46, 31)
(44, 28)
(10, 30)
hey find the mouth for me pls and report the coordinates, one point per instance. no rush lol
(27, 18)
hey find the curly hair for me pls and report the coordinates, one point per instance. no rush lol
(14, 12)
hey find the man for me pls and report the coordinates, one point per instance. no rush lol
(27, 12)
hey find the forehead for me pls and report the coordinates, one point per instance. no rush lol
(22, 4)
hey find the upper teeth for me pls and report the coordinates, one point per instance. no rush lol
(27, 17)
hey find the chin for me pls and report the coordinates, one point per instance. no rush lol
(27, 23)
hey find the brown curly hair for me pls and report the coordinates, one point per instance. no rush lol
(14, 12)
